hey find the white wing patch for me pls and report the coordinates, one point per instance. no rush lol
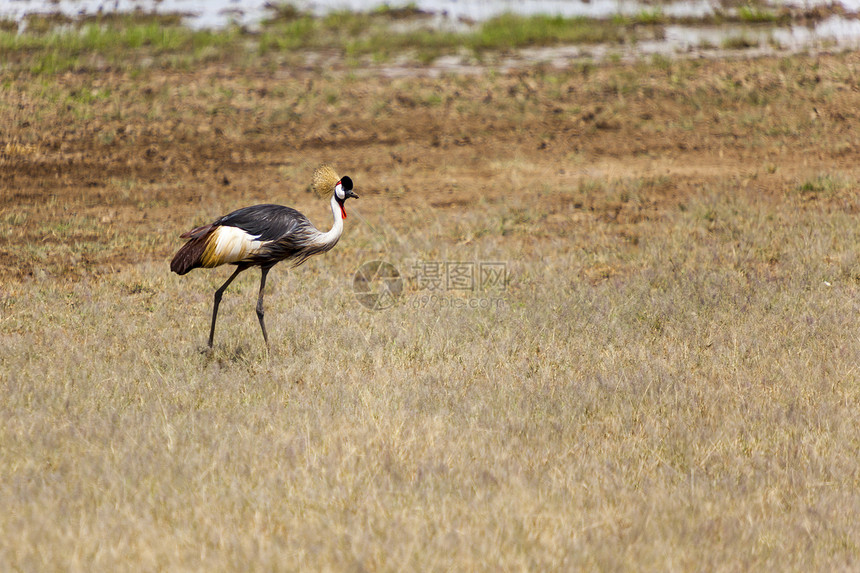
(233, 244)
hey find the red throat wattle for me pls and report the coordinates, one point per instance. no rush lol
(342, 211)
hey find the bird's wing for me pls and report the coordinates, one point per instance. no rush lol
(265, 222)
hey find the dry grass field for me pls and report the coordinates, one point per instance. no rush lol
(667, 380)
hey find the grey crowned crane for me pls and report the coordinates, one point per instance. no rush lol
(262, 236)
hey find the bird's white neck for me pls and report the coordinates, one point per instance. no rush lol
(329, 240)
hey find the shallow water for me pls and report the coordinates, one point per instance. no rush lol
(217, 13)
(201, 14)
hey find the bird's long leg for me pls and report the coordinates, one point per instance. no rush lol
(218, 294)
(264, 271)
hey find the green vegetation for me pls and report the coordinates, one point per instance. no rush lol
(826, 186)
(757, 15)
(511, 31)
(651, 17)
(361, 34)
(121, 40)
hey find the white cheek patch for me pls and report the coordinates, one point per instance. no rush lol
(233, 244)
(338, 190)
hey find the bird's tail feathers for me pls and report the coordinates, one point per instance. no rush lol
(191, 254)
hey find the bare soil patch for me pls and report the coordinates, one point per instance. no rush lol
(106, 168)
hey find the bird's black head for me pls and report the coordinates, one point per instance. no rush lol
(343, 190)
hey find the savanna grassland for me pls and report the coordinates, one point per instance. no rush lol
(667, 380)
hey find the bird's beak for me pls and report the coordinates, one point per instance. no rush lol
(350, 193)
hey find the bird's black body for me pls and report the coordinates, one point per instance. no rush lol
(263, 236)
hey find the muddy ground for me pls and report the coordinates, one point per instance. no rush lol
(101, 168)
